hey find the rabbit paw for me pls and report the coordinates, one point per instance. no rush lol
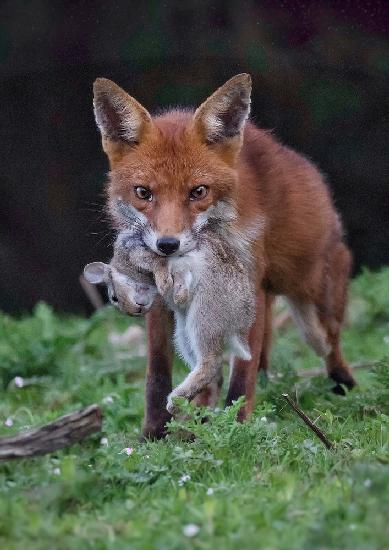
(181, 293)
(171, 407)
(164, 282)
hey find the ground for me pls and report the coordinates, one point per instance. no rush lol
(269, 483)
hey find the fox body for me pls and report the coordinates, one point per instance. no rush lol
(174, 167)
(210, 289)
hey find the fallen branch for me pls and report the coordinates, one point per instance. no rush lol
(61, 433)
(308, 421)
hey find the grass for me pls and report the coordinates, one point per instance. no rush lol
(269, 483)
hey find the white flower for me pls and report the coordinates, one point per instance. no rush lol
(190, 530)
(57, 472)
(183, 479)
(9, 422)
(19, 381)
(210, 491)
(367, 483)
(263, 419)
(108, 399)
(104, 441)
(128, 451)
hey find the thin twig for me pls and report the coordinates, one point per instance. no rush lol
(61, 433)
(308, 421)
(92, 293)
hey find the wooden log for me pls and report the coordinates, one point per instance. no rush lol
(61, 433)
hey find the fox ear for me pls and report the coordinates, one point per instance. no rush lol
(122, 121)
(221, 118)
(95, 272)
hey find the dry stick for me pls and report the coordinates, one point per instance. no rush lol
(92, 293)
(308, 421)
(61, 433)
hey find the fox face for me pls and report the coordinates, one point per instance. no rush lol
(174, 174)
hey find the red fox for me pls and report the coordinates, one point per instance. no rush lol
(171, 170)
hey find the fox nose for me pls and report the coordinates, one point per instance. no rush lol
(168, 245)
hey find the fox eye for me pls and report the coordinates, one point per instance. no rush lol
(198, 193)
(143, 193)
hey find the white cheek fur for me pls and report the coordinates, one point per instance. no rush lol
(222, 211)
(150, 240)
(128, 212)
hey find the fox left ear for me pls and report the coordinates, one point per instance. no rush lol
(221, 118)
(122, 121)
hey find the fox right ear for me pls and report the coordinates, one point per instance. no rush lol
(122, 121)
(221, 118)
(95, 272)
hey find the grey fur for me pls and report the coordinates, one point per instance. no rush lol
(210, 290)
(214, 309)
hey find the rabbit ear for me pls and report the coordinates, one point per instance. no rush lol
(96, 272)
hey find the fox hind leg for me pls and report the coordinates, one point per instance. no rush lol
(331, 308)
(320, 319)
(263, 365)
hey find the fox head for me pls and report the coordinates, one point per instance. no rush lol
(172, 174)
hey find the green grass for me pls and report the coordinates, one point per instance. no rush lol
(269, 483)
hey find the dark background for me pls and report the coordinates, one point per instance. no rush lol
(320, 73)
